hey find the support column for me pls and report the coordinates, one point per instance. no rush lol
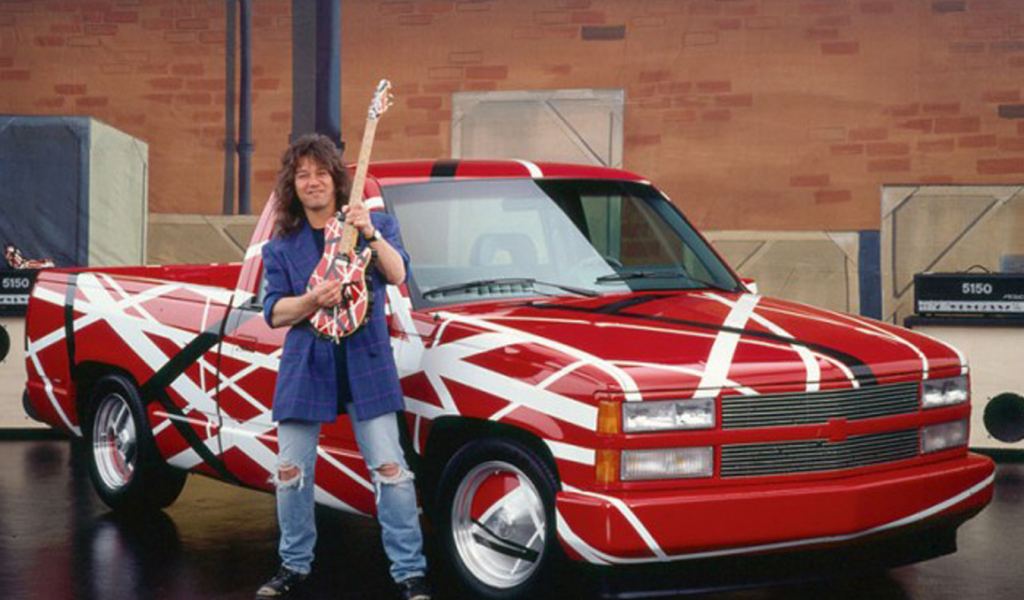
(316, 68)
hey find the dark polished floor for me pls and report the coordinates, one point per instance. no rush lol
(57, 540)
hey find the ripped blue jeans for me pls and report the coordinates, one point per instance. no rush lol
(397, 511)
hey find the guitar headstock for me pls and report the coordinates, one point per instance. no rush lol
(382, 100)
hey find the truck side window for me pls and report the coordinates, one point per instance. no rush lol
(261, 292)
(604, 221)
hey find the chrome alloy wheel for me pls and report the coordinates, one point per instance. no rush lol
(498, 524)
(114, 441)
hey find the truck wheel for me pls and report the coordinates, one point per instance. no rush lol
(496, 518)
(126, 469)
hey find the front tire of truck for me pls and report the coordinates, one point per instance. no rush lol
(126, 468)
(495, 515)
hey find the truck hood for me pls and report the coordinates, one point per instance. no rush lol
(697, 340)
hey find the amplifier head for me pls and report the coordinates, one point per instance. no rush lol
(966, 294)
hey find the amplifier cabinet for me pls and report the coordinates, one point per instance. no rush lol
(995, 353)
(12, 378)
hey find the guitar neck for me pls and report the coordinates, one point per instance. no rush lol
(349, 236)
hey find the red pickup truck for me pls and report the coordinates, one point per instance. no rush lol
(584, 378)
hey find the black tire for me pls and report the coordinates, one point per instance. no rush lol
(127, 471)
(478, 549)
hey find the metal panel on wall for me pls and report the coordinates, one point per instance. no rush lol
(821, 268)
(579, 126)
(198, 239)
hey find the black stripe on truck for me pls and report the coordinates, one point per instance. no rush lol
(155, 389)
(444, 168)
(69, 319)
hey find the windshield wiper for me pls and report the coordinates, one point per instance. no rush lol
(524, 281)
(661, 275)
(640, 275)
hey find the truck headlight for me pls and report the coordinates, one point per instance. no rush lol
(944, 392)
(667, 463)
(663, 415)
(943, 436)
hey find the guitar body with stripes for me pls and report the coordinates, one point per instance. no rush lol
(348, 268)
(340, 261)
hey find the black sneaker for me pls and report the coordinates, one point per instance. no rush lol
(281, 584)
(415, 588)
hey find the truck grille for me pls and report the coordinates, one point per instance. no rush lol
(818, 407)
(818, 455)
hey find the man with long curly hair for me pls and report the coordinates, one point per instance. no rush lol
(317, 378)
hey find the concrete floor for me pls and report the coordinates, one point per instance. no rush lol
(58, 541)
(12, 379)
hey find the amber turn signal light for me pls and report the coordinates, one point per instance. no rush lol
(609, 416)
(607, 466)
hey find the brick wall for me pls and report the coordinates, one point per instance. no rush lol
(154, 69)
(752, 114)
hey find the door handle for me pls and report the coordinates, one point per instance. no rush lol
(249, 342)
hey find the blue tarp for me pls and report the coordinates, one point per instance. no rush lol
(44, 187)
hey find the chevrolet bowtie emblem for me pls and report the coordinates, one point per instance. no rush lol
(837, 430)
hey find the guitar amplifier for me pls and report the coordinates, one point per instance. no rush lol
(969, 294)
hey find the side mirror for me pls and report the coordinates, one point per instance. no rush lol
(750, 284)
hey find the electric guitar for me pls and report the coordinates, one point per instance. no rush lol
(340, 261)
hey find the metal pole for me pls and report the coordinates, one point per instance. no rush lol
(303, 68)
(245, 110)
(328, 69)
(229, 108)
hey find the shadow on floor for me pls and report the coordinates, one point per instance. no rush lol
(58, 541)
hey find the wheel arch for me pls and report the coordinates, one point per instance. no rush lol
(448, 434)
(86, 375)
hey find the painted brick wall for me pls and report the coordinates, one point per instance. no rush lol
(752, 114)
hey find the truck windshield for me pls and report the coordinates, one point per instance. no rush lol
(501, 238)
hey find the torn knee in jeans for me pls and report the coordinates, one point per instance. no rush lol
(392, 474)
(288, 476)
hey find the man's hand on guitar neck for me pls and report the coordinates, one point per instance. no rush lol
(358, 216)
(389, 262)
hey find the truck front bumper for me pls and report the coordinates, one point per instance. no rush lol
(680, 525)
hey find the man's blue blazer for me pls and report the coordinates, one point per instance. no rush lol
(306, 387)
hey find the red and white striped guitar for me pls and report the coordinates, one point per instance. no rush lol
(340, 262)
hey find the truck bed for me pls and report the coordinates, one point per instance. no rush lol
(214, 274)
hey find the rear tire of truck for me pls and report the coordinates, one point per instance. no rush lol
(495, 516)
(126, 468)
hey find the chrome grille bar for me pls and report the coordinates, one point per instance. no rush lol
(818, 407)
(802, 456)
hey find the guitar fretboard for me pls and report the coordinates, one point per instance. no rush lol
(355, 196)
